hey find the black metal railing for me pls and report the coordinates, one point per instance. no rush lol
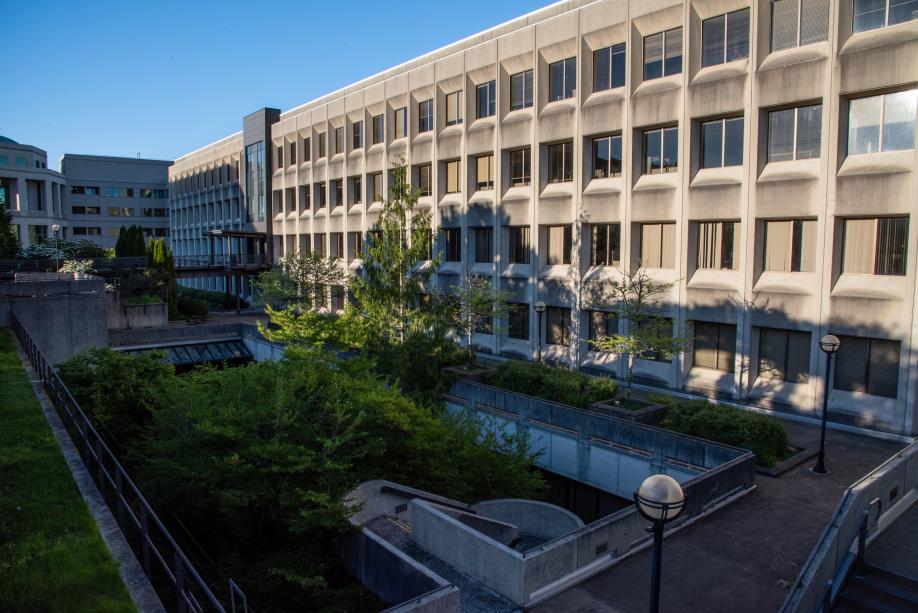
(99, 265)
(165, 564)
(221, 260)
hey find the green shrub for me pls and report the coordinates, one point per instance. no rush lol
(763, 435)
(189, 307)
(215, 300)
(143, 299)
(555, 384)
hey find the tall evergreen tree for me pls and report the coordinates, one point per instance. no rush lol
(9, 243)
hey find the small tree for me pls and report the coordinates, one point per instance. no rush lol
(648, 333)
(474, 304)
(298, 280)
(130, 242)
(9, 243)
(161, 268)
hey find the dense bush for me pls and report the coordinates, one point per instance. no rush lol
(254, 461)
(556, 384)
(215, 300)
(190, 307)
(763, 435)
(143, 299)
(51, 248)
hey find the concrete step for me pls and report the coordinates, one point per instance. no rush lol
(891, 583)
(861, 595)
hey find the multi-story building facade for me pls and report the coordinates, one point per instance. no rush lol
(756, 155)
(105, 194)
(31, 192)
(91, 197)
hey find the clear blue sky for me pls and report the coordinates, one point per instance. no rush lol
(163, 78)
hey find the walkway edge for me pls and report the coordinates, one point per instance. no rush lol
(138, 586)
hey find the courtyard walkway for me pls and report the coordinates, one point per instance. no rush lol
(746, 556)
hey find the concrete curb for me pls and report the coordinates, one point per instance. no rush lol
(138, 586)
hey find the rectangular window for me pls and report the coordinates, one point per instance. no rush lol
(715, 346)
(37, 234)
(518, 242)
(452, 177)
(425, 116)
(155, 212)
(119, 192)
(562, 79)
(318, 243)
(401, 122)
(356, 189)
(307, 149)
(609, 67)
(882, 123)
(789, 245)
(291, 150)
(337, 298)
(120, 211)
(521, 90)
(663, 54)
(558, 242)
(607, 157)
(424, 179)
(725, 38)
(339, 140)
(722, 143)
(868, 366)
(606, 245)
(784, 355)
(77, 189)
(560, 162)
(358, 135)
(454, 108)
(452, 244)
(322, 151)
(376, 180)
(661, 151)
(321, 196)
(558, 326)
(379, 129)
(486, 95)
(518, 321)
(717, 248)
(354, 241)
(875, 246)
(796, 23)
(336, 245)
(484, 171)
(338, 191)
(304, 200)
(520, 172)
(484, 245)
(88, 231)
(658, 241)
(91, 190)
(794, 134)
(279, 162)
(601, 325)
(872, 14)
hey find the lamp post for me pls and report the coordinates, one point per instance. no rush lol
(829, 345)
(56, 228)
(659, 499)
(540, 309)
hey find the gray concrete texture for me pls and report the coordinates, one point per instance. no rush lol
(532, 517)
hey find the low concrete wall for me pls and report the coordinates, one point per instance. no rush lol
(177, 333)
(533, 517)
(260, 348)
(125, 316)
(63, 315)
(897, 475)
(395, 577)
(501, 532)
(378, 497)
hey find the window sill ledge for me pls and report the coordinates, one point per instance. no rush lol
(557, 272)
(610, 185)
(292, 215)
(375, 147)
(795, 283)
(423, 201)
(719, 72)
(886, 162)
(522, 192)
(451, 268)
(651, 183)
(656, 86)
(715, 279)
(558, 190)
(376, 206)
(483, 268)
(305, 214)
(890, 35)
(399, 142)
(355, 154)
(709, 177)
(795, 55)
(791, 170)
(338, 210)
(323, 212)
(567, 105)
(482, 123)
(517, 270)
(518, 115)
(355, 208)
(875, 287)
(423, 137)
(605, 96)
(451, 200)
(482, 195)
(455, 129)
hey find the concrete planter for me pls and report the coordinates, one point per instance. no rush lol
(650, 412)
(474, 372)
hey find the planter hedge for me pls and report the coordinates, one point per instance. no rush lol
(555, 384)
(763, 435)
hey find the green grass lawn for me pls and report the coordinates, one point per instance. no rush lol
(51, 555)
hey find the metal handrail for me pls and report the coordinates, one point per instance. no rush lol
(99, 460)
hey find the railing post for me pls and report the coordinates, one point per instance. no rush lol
(179, 583)
(119, 490)
(100, 473)
(827, 597)
(145, 539)
(861, 545)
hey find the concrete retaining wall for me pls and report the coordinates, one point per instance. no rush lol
(395, 577)
(260, 348)
(533, 517)
(63, 315)
(501, 532)
(124, 316)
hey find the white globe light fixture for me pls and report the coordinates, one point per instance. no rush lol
(660, 499)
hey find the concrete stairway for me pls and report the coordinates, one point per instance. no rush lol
(878, 590)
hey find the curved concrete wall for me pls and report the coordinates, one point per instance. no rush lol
(533, 517)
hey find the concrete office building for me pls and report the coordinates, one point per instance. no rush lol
(30, 191)
(91, 197)
(106, 193)
(759, 155)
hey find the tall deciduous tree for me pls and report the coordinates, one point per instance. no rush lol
(9, 243)
(637, 297)
(300, 280)
(475, 305)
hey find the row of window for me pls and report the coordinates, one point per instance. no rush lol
(20, 161)
(119, 211)
(224, 173)
(872, 246)
(112, 231)
(119, 192)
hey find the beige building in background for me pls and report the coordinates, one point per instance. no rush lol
(759, 156)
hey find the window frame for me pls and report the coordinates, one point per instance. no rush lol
(552, 259)
(401, 118)
(520, 311)
(664, 34)
(527, 101)
(448, 166)
(357, 129)
(568, 71)
(484, 249)
(723, 141)
(613, 51)
(425, 116)
(563, 314)
(525, 179)
(610, 231)
(566, 149)
(882, 126)
(717, 347)
(489, 183)
(609, 173)
(519, 245)
(489, 89)
(379, 129)
(663, 130)
(886, 22)
(725, 59)
(452, 244)
(453, 102)
(796, 132)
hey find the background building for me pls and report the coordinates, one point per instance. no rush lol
(30, 191)
(758, 155)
